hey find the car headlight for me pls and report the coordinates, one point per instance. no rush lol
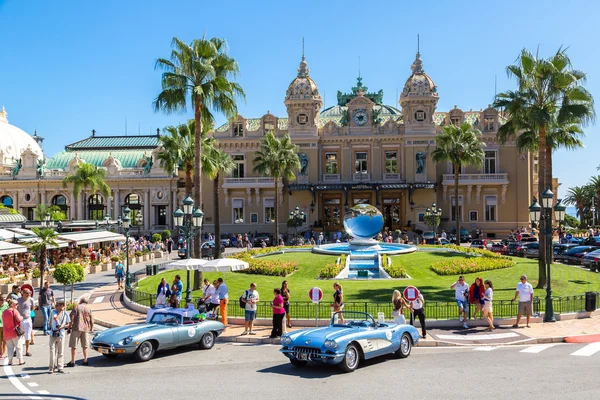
(286, 340)
(127, 340)
(330, 344)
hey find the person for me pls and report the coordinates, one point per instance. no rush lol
(460, 289)
(250, 298)
(487, 307)
(338, 301)
(60, 321)
(525, 294)
(417, 310)
(25, 306)
(278, 313)
(162, 293)
(11, 318)
(176, 292)
(3, 306)
(399, 305)
(223, 293)
(120, 274)
(82, 325)
(444, 235)
(285, 293)
(15, 294)
(212, 297)
(46, 302)
(169, 248)
(476, 296)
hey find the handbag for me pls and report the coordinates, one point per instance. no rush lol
(18, 328)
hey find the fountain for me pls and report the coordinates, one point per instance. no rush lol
(363, 222)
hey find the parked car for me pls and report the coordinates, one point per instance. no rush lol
(533, 250)
(166, 329)
(499, 247)
(559, 249)
(516, 249)
(267, 237)
(225, 241)
(527, 238)
(592, 260)
(479, 244)
(444, 242)
(575, 254)
(591, 241)
(576, 240)
(358, 339)
(465, 236)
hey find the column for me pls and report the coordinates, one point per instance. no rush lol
(43, 196)
(117, 205)
(80, 201)
(72, 206)
(147, 210)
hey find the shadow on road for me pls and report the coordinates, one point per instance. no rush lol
(320, 371)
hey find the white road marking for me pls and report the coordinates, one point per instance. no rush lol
(32, 384)
(538, 348)
(484, 348)
(8, 371)
(588, 350)
(492, 336)
(24, 376)
(98, 300)
(43, 392)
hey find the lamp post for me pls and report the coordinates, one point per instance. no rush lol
(537, 214)
(125, 221)
(48, 221)
(297, 218)
(139, 218)
(189, 223)
(593, 210)
(432, 216)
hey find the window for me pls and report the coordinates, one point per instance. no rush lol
(96, 208)
(331, 163)
(488, 123)
(238, 170)
(489, 164)
(491, 202)
(421, 217)
(269, 210)
(535, 165)
(460, 208)
(391, 162)
(254, 218)
(361, 199)
(238, 211)
(238, 129)
(473, 217)
(269, 126)
(6, 201)
(60, 201)
(360, 163)
(455, 121)
(302, 119)
(161, 215)
(420, 115)
(332, 211)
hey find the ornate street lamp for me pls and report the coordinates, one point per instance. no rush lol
(297, 218)
(433, 216)
(48, 220)
(125, 221)
(189, 223)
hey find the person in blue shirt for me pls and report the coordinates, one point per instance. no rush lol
(223, 293)
(120, 274)
(176, 292)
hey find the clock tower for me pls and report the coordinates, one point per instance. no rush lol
(303, 103)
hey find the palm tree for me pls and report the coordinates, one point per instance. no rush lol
(459, 145)
(576, 196)
(45, 238)
(277, 158)
(217, 162)
(549, 94)
(55, 212)
(199, 73)
(87, 176)
(178, 151)
(595, 187)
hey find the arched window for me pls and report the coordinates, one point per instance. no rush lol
(96, 207)
(6, 201)
(132, 201)
(60, 201)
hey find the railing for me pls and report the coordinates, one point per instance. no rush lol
(248, 182)
(476, 178)
(391, 177)
(331, 177)
(361, 177)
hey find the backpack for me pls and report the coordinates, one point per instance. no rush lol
(242, 301)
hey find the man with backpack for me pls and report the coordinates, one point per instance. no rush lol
(248, 301)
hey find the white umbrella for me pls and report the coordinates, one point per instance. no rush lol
(225, 265)
(188, 263)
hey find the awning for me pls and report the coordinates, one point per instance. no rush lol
(6, 234)
(81, 238)
(12, 218)
(7, 248)
(61, 243)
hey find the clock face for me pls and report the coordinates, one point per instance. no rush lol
(360, 117)
(302, 119)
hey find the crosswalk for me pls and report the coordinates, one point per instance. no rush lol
(586, 350)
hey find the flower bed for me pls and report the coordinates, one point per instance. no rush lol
(466, 250)
(394, 271)
(265, 267)
(331, 270)
(469, 265)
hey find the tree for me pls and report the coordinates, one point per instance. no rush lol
(178, 151)
(576, 196)
(549, 94)
(217, 162)
(276, 158)
(199, 74)
(56, 214)
(571, 221)
(69, 274)
(86, 176)
(45, 238)
(459, 145)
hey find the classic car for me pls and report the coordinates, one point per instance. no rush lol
(166, 329)
(358, 338)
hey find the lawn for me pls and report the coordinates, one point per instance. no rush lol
(566, 280)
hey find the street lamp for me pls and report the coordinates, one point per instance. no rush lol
(537, 214)
(593, 210)
(433, 216)
(48, 220)
(189, 223)
(297, 218)
(125, 221)
(139, 218)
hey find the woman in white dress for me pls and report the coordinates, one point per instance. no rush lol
(162, 293)
(488, 295)
(399, 305)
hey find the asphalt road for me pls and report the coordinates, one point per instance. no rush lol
(228, 371)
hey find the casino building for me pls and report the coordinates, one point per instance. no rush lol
(356, 151)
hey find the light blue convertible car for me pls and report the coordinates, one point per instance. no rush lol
(165, 329)
(358, 338)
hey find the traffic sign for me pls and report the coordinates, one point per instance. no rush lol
(569, 236)
(315, 294)
(411, 293)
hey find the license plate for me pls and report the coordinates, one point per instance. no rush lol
(103, 351)
(303, 356)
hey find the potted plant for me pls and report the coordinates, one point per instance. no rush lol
(35, 277)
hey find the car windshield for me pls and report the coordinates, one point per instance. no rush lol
(353, 319)
(165, 318)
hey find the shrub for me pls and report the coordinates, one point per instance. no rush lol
(114, 258)
(157, 237)
(394, 271)
(165, 234)
(69, 274)
(466, 250)
(260, 266)
(36, 273)
(469, 265)
(138, 254)
(95, 262)
(333, 269)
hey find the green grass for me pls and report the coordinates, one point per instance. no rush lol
(566, 280)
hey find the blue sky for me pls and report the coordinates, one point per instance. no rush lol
(69, 67)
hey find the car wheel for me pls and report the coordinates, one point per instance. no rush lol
(110, 355)
(207, 341)
(145, 351)
(405, 346)
(351, 359)
(298, 363)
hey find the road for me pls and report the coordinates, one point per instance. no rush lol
(229, 371)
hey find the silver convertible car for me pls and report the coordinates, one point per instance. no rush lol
(166, 329)
(346, 343)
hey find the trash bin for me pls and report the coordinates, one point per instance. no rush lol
(148, 270)
(590, 301)
(154, 269)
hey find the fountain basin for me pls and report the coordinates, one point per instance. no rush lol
(362, 247)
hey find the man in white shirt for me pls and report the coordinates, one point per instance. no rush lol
(525, 294)
(210, 294)
(250, 298)
(461, 293)
(443, 236)
(416, 310)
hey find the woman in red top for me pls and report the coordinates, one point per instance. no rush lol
(278, 314)
(10, 320)
(476, 296)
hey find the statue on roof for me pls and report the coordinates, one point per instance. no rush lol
(148, 165)
(421, 157)
(41, 167)
(16, 168)
(345, 98)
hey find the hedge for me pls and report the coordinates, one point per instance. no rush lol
(469, 265)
